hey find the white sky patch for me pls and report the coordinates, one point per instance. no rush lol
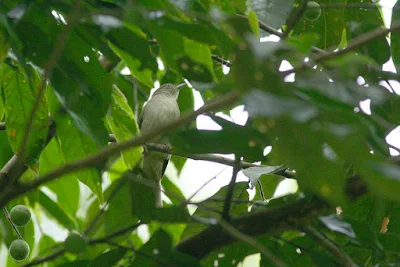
(285, 65)
(366, 106)
(59, 17)
(225, 69)
(125, 71)
(203, 122)
(360, 80)
(393, 138)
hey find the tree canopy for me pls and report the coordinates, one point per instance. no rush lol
(310, 76)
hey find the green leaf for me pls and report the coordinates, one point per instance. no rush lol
(55, 211)
(359, 21)
(66, 188)
(76, 145)
(216, 203)
(269, 183)
(109, 258)
(395, 37)
(123, 125)
(186, 99)
(159, 251)
(224, 5)
(142, 74)
(272, 12)
(80, 82)
(119, 213)
(232, 139)
(333, 19)
(143, 205)
(190, 58)
(172, 191)
(5, 150)
(253, 21)
(46, 242)
(19, 101)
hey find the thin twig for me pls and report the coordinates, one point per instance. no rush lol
(116, 233)
(50, 257)
(14, 227)
(205, 184)
(206, 157)
(342, 257)
(221, 60)
(158, 261)
(354, 44)
(271, 30)
(231, 187)
(14, 168)
(293, 20)
(251, 241)
(102, 210)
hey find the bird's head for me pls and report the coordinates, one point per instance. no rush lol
(169, 89)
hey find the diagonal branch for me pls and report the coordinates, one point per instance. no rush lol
(102, 156)
(341, 256)
(354, 44)
(253, 224)
(271, 30)
(235, 233)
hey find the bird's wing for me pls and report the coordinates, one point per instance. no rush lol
(165, 165)
(141, 118)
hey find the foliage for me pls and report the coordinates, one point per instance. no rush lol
(68, 126)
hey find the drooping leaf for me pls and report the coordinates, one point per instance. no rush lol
(67, 187)
(55, 211)
(21, 91)
(159, 251)
(76, 145)
(123, 125)
(80, 82)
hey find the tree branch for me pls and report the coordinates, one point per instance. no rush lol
(235, 233)
(231, 187)
(101, 156)
(354, 44)
(253, 224)
(50, 257)
(14, 227)
(341, 256)
(275, 32)
(115, 234)
(294, 19)
(206, 157)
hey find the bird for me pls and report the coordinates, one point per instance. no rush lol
(161, 109)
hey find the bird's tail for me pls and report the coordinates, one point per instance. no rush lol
(153, 166)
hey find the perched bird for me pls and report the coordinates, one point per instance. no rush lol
(160, 110)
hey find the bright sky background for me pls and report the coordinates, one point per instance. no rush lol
(196, 173)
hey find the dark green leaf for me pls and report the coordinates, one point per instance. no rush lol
(20, 98)
(109, 258)
(80, 82)
(158, 251)
(55, 211)
(123, 125)
(67, 187)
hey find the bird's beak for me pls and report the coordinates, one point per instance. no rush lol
(180, 86)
